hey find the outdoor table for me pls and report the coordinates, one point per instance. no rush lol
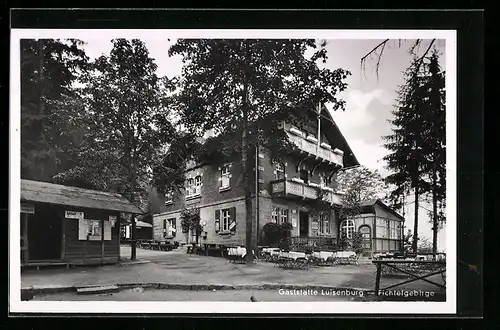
(324, 255)
(293, 255)
(393, 263)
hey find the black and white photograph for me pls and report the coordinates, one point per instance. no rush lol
(237, 171)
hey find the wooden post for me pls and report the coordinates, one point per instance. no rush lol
(25, 238)
(377, 279)
(63, 238)
(134, 252)
(119, 226)
(102, 241)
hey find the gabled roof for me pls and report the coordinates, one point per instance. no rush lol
(44, 192)
(336, 138)
(372, 202)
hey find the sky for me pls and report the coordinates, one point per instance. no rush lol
(369, 98)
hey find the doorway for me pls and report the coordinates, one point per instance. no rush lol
(304, 224)
(45, 235)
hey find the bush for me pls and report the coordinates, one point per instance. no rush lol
(285, 235)
(277, 235)
(271, 234)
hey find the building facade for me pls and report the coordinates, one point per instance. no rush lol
(69, 225)
(286, 191)
(380, 226)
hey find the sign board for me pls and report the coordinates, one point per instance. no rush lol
(314, 225)
(73, 215)
(27, 208)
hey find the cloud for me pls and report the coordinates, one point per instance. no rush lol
(368, 155)
(357, 112)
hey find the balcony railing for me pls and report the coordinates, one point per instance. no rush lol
(317, 150)
(287, 187)
(313, 242)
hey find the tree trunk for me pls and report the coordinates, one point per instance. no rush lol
(415, 225)
(134, 229)
(434, 211)
(245, 167)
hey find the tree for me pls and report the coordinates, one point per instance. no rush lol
(127, 122)
(244, 88)
(359, 185)
(435, 142)
(49, 103)
(190, 221)
(406, 143)
(379, 49)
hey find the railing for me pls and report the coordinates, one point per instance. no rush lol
(288, 187)
(315, 243)
(317, 150)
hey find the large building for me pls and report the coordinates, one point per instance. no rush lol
(288, 191)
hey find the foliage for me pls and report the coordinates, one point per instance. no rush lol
(168, 174)
(285, 235)
(277, 235)
(127, 119)
(190, 220)
(408, 242)
(357, 243)
(424, 245)
(343, 242)
(242, 89)
(271, 234)
(417, 145)
(49, 102)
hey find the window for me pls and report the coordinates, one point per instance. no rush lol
(169, 195)
(197, 185)
(394, 230)
(279, 171)
(226, 219)
(284, 215)
(193, 187)
(225, 175)
(189, 187)
(324, 224)
(382, 229)
(94, 228)
(279, 215)
(304, 176)
(347, 228)
(275, 215)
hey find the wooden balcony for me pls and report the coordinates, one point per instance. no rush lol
(318, 150)
(288, 188)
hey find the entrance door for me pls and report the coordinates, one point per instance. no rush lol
(45, 235)
(304, 224)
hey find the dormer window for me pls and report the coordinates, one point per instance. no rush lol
(279, 171)
(169, 196)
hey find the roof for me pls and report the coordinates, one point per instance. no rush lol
(336, 138)
(44, 192)
(372, 202)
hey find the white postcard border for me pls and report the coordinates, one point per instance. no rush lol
(18, 306)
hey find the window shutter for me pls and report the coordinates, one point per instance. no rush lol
(232, 225)
(82, 229)
(164, 228)
(217, 221)
(107, 230)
